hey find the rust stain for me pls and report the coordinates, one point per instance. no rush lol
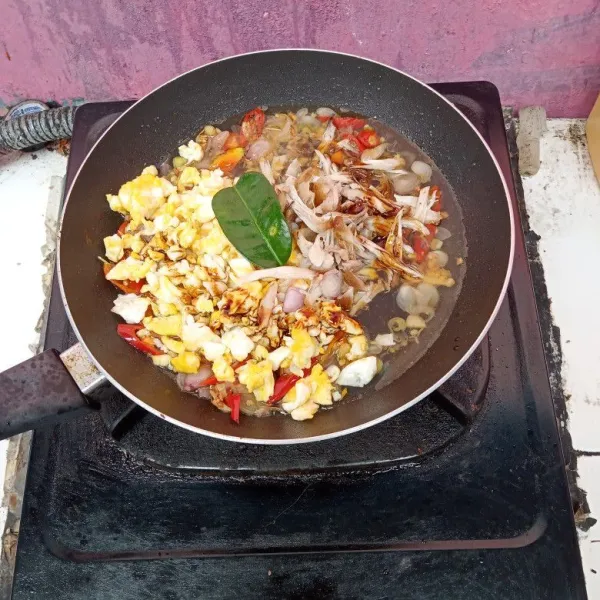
(6, 52)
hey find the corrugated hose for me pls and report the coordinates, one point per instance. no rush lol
(36, 128)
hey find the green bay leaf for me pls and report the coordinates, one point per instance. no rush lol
(250, 216)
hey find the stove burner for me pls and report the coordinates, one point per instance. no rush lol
(469, 480)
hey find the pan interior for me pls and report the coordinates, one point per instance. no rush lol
(172, 114)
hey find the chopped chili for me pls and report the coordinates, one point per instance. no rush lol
(127, 286)
(228, 160)
(432, 231)
(286, 382)
(253, 123)
(213, 380)
(338, 157)
(352, 122)
(421, 247)
(368, 138)
(235, 140)
(233, 401)
(282, 386)
(355, 141)
(128, 333)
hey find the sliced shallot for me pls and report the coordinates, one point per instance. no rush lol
(422, 170)
(331, 284)
(440, 257)
(325, 111)
(384, 164)
(443, 234)
(294, 300)
(305, 244)
(266, 305)
(429, 294)
(190, 383)
(329, 133)
(258, 149)
(346, 299)
(314, 292)
(404, 184)
(373, 153)
(306, 195)
(277, 273)
(293, 169)
(407, 298)
(213, 147)
(266, 170)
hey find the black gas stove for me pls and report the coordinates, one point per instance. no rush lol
(462, 496)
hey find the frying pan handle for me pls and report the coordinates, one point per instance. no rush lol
(45, 389)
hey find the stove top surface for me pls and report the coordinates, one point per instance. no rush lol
(462, 495)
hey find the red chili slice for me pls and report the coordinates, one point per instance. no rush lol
(253, 123)
(354, 140)
(421, 247)
(122, 228)
(233, 401)
(352, 122)
(228, 160)
(235, 140)
(286, 382)
(128, 333)
(432, 231)
(213, 380)
(282, 386)
(368, 138)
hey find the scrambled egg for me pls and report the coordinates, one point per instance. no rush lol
(191, 152)
(223, 371)
(302, 349)
(358, 347)
(113, 245)
(131, 269)
(258, 378)
(140, 198)
(192, 304)
(304, 399)
(321, 388)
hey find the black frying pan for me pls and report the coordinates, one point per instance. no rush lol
(149, 132)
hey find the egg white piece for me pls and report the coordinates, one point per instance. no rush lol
(358, 373)
(130, 307)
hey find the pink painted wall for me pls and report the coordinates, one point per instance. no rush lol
(536, 51)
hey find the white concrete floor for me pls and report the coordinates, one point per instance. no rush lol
(563, 201)
(25, 188)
